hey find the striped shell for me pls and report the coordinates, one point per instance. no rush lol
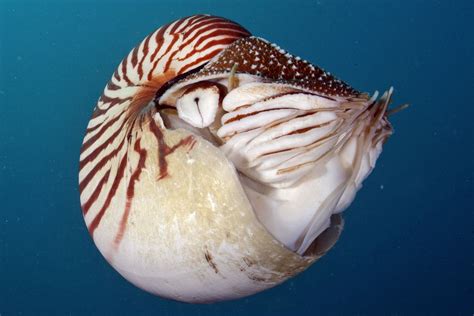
(215, 164)
(112, 133)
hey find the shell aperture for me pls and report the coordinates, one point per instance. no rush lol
(215, 164)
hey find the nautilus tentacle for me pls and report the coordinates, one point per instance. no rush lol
(216, 164)
(283, 126)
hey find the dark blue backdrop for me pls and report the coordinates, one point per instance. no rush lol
(408, 244)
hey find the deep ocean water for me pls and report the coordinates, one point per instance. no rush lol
(408, 244)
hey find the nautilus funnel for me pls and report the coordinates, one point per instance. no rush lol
(216, 165)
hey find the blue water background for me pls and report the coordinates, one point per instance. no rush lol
(408, 246)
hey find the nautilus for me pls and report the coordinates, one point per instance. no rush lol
(216, 165)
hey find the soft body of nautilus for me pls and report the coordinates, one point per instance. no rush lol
(216, 165)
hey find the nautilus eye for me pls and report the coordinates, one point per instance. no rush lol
(199, 104)
(216, 164)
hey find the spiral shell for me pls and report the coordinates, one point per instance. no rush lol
(215, 164)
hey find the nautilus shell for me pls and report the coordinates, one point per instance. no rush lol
(216, 165)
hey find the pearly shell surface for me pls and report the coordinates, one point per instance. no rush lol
(197, 245)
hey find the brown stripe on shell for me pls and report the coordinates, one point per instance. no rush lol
(145, 54)
(165, 150)
(111, 194)
(131, 191)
